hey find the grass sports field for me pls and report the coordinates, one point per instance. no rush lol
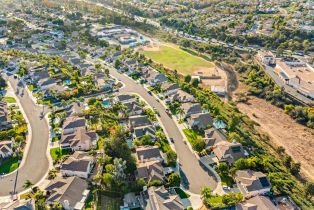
(175, 58)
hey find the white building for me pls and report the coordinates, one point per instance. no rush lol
(79, 164)
(266, 57)
(297, 74)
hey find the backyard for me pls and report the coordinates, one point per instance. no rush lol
(175, 58)
(57, 153)
(109, 201)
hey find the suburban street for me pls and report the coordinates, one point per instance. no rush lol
(36, 163)
(195, 174)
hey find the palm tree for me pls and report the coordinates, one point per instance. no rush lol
(52, 174)
(181, 112)
(27, 184)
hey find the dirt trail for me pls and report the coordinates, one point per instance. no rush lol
(297, 139)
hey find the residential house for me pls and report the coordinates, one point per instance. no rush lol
(181, 96)
(149, 153)
(145, 130)
(138, 121)
(79, 140)
(191, 108)
(47, 83)
(102, 84)
(130, 64)
(169, 88)
(12, 66)
(70, 192)
(228, 152)
(86, 69)
(124, 98)
(159, 198)
(38, 74)
(150, 171)
(252, 183)
(72, 123)
(257, 203)
(79, 164)
(75, 109)
(200, 121)
(133, 108)
(41, 78)
(214, 136)
(6, 149)
(4, 117)
(154, 78)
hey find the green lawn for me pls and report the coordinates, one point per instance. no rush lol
(9, 165)
(226, 180)
(109, 203)
(9, 99)
(181, 193)
(195, 139)
(216, 202)
(89, 202)
(177, 59)
(57, 153)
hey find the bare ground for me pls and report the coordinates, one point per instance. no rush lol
(297, 139)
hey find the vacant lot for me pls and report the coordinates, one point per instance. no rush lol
(175, 58)
(298, 140)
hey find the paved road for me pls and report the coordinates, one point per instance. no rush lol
(36, 163)
(191, 168)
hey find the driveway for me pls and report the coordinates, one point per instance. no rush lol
(196, 176)
(36, 163)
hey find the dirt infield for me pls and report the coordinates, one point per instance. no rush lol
(297, 139)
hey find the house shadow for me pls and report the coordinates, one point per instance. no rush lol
(184, 180)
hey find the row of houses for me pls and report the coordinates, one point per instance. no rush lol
(254, 185)
(151, 161)
(6, 146)
(5, 122)
(71, 189)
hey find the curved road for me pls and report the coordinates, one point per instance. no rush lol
(36, 163)
(193, 171)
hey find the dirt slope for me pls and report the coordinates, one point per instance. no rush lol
(298, 140)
